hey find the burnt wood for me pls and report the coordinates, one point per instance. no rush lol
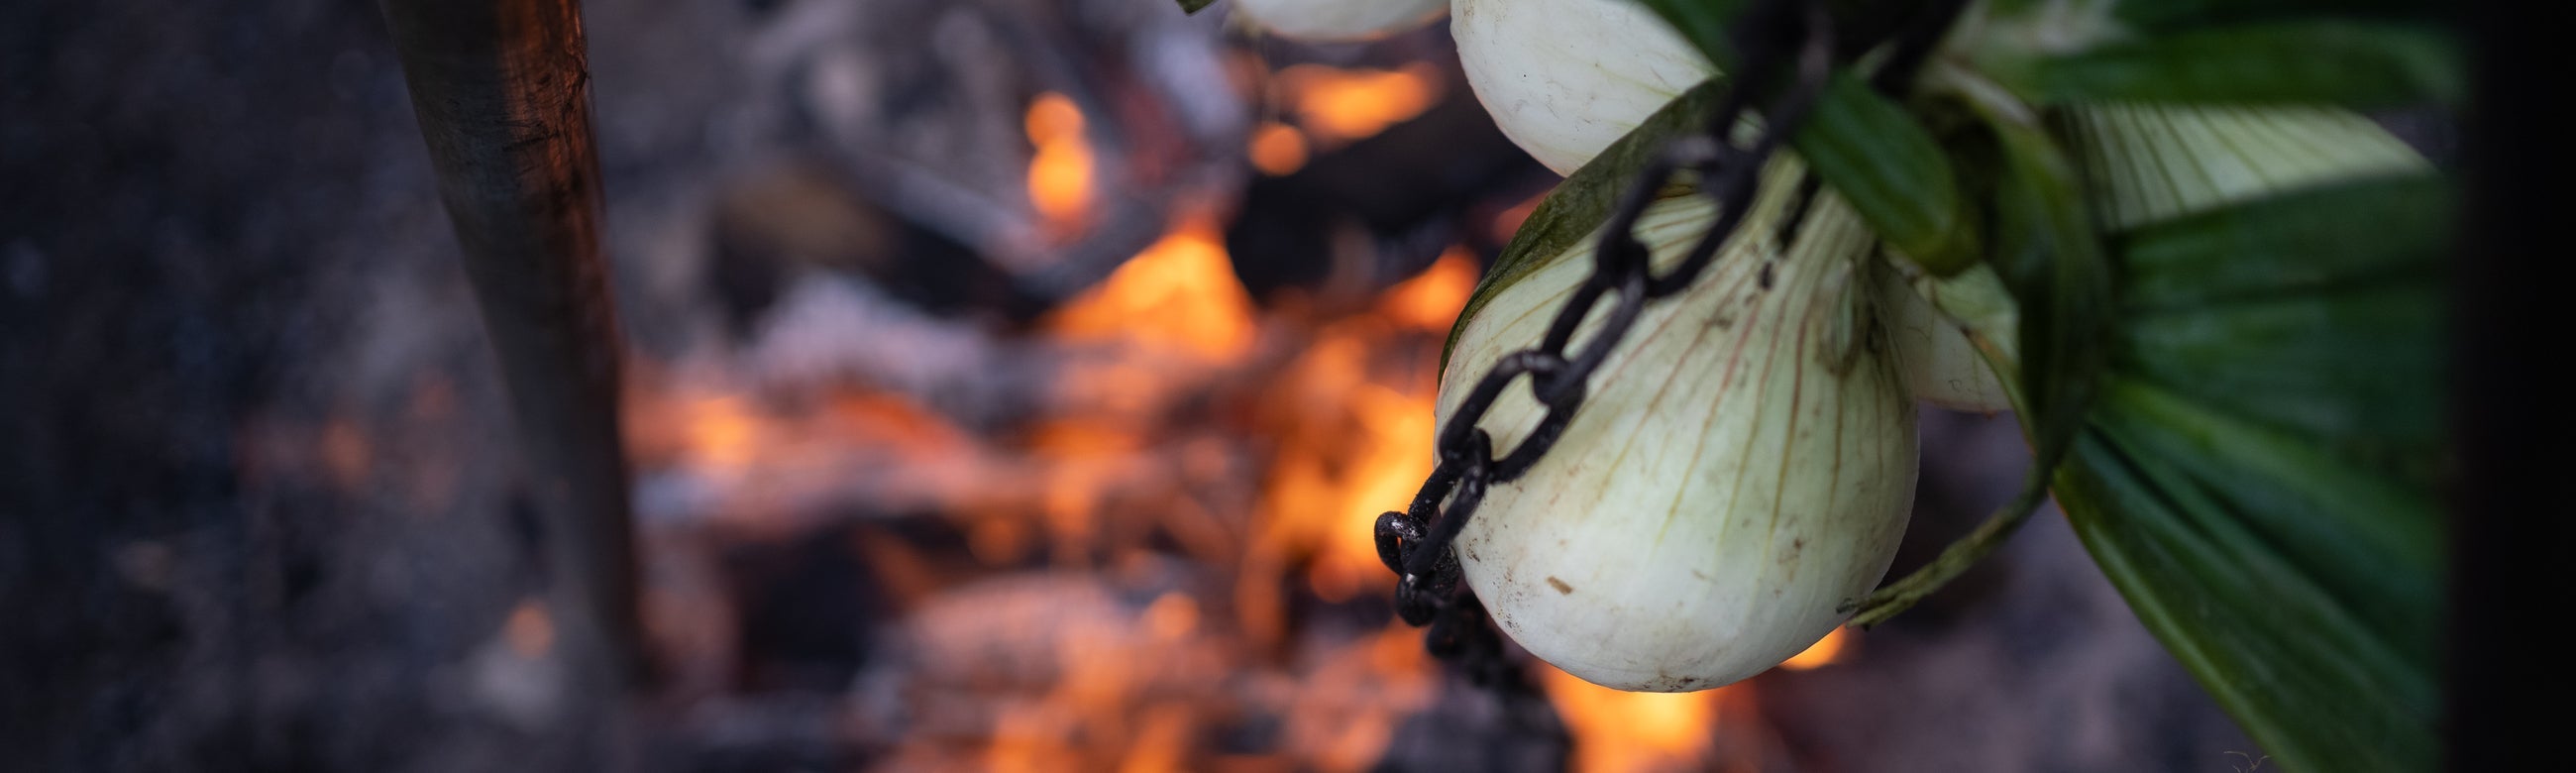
(501, 90)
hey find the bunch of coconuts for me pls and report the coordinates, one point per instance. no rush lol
(1741, 474)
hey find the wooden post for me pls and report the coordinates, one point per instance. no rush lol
(501, 88)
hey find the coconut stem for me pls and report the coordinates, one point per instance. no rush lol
(1955, 560)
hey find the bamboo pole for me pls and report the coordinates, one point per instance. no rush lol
(501, 88)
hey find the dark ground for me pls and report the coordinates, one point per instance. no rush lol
(197, 204)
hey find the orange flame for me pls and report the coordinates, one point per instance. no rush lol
(1327, 502)
(1172, 616)
(1083, 460)
(1060, 171)
(721, 434)
(1163, 740)
(1351, 445)
(1179, 293)
(1824, 652)
(1340, 106)
(1277, 149)
(1432, 300)
(1617, 732)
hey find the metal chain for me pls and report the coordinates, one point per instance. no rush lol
(1415, 543)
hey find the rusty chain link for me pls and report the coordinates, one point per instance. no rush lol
(1415, 543)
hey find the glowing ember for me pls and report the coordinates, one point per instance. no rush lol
(1084, 460)
(1348, 709)
(1060, 172)
(1162, 741)
(1277, 149)
(1067, 678)
(721, 434)
(1825, 651)
(346, 453)
(1619, 732)
(714, 450)
(1172, 616)
(733, 437)
(530, 632)
(1339, 106)
(1179, 293)
(896, 422)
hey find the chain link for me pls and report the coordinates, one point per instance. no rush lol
(1415, 543)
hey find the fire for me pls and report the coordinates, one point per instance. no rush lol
(1340, 106)
(1179, 293)
(1061, 170)
(1277, 149)
(1172, 616)
(1824, 652)
(1353, 443)
(1432, 300)
(721, 433)
(731, 435)
(1349, 709)
(1617, 732)
(1348, 447)
(1083, 460)
(717, 450)
(1162, 741)
(1507, 223)
(1324, 498)
(1137, 457)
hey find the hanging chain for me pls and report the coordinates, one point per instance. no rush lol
(1415, 544)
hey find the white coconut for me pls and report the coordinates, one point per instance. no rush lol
(1330, 20)
(1941, 364)
(1735, 483)
(1565, 78)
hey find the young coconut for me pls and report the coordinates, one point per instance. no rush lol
(2152, 162)
(1565, 78)
(1941, 364)
(1737, 479)
(2159, 162)
(1328, 20)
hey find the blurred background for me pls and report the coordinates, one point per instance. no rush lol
(1012, 385)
